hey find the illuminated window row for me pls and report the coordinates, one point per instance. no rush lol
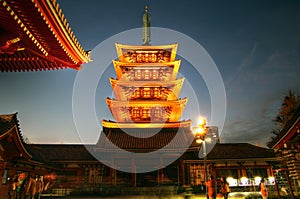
(156, 114)
(146, 57)
(148, 74)
(150, 93)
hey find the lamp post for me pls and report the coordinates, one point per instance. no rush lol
(200, 132)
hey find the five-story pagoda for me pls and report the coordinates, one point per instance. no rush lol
(146, 110)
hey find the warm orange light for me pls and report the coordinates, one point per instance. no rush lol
(198, 130)
(199, 141)
(202, 121)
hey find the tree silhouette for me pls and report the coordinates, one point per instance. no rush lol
(288, 108)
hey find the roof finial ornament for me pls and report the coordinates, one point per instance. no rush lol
(146, 27)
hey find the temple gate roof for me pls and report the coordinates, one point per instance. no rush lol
(35, 36)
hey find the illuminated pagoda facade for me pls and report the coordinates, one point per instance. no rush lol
(146, 88)
(146, 91)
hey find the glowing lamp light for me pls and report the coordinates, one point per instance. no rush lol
(257, 180)
(199, 141)
(244, 181)
(232, 182)
(271, 180)
(202, 121)
(198, 131)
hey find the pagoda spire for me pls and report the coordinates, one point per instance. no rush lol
(146, 27)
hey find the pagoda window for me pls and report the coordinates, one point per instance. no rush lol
(139, 57)
(138, 74)
(147, 74)
(135, 113)
(146, 93)
(154, 74)
(137, 93)
(133, 58)
(156, 93)
(146, 57)
(157, 113)
(153, 57)
(145, 113)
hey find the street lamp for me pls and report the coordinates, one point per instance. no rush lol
(200, 132)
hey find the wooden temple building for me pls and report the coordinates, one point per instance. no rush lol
(74, 168)
(146, 146)
(287, 146)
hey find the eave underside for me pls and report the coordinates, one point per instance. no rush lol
(43, 46)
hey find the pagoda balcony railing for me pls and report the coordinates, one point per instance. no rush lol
(146, 72)
(151, 54)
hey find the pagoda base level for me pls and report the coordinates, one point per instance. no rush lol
(112, 124)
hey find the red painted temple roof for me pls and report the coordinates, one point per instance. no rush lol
(289, 133)
(11, 140)
(36, 36)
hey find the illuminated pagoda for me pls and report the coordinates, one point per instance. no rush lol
(146, 88)
(146, 101)
(35, 36)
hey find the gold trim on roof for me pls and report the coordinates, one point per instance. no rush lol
(123, 49)
(111, 124)
(78, 55)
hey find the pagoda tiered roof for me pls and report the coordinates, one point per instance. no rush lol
(146, 110)
(146, 53)
(35, 35)
(163, 90)
(166, 71)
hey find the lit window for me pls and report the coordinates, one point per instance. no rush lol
(153, 57)
(139, 57)
(137, 93)
(155, 92)
(146, 93)
(138, 74)
(154, 74)
(145, 113)
(147, 74)
(135, 113)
